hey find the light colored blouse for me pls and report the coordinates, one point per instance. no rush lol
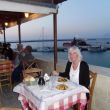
(74, 74)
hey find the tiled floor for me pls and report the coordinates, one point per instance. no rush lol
(9, 99)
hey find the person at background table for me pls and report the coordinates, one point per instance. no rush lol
(9, 52)
(76, 69)
(28, 56)
(4, 51)
(18, 67)
(18, 54)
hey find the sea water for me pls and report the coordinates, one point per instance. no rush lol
(93, 58)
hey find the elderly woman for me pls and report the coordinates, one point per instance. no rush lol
(76, 70)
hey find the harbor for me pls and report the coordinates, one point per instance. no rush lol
(64, 44)
(46, 45)
(82, 48)
(89, 56)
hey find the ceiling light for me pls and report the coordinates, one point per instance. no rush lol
(6, 23)
(26, 15)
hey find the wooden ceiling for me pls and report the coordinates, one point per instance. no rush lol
(13, 18)
(10, 17)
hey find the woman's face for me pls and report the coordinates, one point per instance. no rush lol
(73, 56)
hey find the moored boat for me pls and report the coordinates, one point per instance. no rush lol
(45, 49)
(76, 42)
(96, 49)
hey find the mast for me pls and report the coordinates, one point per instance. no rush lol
(42, 37)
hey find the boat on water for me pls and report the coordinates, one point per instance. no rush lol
(76, 42)
(45, 49)
(81, 43)
(96, 49)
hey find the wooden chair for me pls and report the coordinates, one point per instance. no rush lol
(5, 74)
(31, 68)
(93, 77)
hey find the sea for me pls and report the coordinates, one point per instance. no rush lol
(92, 58)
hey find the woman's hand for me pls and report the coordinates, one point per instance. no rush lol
(55, 73)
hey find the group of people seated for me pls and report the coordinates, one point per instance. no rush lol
(18, 57)
(23, 56)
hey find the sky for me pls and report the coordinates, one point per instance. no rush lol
(76, 18)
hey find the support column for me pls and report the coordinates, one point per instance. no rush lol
(19, 32)
(4, 35)
(55, 38)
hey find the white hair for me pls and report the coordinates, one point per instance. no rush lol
(76, 50)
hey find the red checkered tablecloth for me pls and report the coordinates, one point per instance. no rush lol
(62, 104)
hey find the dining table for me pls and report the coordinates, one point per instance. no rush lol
(51, 96)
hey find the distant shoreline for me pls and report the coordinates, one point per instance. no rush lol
(51, 40)
(48, 40)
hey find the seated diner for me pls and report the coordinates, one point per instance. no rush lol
(76, 70)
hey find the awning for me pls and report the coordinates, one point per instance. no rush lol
(12, 11)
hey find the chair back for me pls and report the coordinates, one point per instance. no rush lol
(93, 77)
(30, 64)
(6, 68)
(31, 68)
